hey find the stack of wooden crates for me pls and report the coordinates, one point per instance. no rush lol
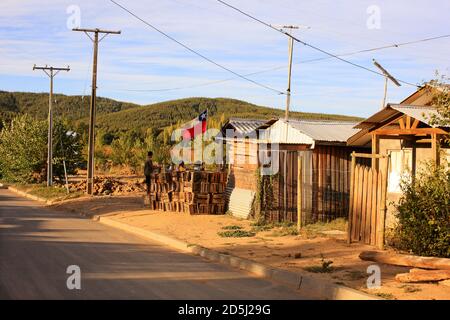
(193, 192)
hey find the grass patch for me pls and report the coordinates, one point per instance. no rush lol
(258, 227)
(324, 267)
(315, 229)
(48, 193)
(284, 224)
(410, 289)
(285, 231)
(236, 234)
(232, 227)
(281, 228)
(388, 296)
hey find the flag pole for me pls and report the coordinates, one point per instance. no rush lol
(202, 134)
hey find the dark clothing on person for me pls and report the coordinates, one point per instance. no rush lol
(148, 182)
(148, 170)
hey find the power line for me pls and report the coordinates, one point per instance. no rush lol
(308, 44)
(394, 45)
(194, 51)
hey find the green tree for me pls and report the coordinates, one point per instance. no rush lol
(68, 148)
(23, 149)
(441, 99)
(161, 150)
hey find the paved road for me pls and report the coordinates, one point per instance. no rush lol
(37, 246)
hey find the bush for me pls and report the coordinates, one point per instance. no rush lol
(424, 214)
(23, 150)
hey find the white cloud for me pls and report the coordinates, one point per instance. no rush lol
(35, 31)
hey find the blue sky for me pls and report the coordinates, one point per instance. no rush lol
(33, 31)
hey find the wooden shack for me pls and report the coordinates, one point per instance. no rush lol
(406, 135)
(242, 160)
(313, 180)
(403, 139)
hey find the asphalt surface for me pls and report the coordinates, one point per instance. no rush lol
(37, 246)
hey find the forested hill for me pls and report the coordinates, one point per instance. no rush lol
(115, 116)
(168, 113)
(69, 107)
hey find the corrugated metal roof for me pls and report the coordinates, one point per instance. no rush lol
(331, 131)
(245, 126)
(310, 131)
(376, 118)
(421, 113)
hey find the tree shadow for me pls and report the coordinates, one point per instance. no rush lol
(37, 245)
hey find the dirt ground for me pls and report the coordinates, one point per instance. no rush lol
(298, 253)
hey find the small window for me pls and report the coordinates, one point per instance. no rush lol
(400, 168)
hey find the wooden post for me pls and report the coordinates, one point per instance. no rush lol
(375, 150)
(435, 149)
(299, 191)
(408, 122)
(383, 208)
(374, 213)
(352, 184)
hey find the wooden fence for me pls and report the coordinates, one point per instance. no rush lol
(311, 185)
(367, 210)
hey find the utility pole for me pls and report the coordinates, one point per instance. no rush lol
(290, 54)
(288, 91)
(51, 72)
(95, 40)
(387, 76)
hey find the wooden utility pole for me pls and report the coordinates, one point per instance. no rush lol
(288, 91)
(51, 72)
(299, 191)
(290, 53)
(95, 40)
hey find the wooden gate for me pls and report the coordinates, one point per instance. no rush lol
(367, 212)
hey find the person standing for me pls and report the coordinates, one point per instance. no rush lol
(148, 170)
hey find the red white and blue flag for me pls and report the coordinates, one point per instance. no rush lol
(195, 127)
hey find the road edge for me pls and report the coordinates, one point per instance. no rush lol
(312, 288)
(30, 196)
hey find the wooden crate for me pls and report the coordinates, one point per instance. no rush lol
(193, 192)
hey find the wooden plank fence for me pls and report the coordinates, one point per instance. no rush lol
(367, 210)
(312, 185)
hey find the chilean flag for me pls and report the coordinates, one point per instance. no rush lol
(195, 127)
